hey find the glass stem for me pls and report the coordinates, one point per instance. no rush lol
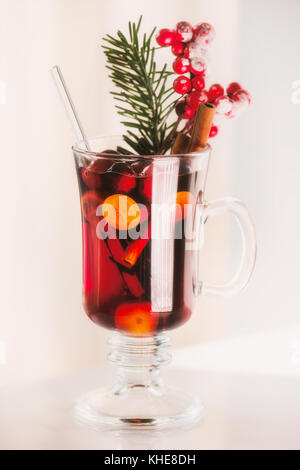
(138, 361)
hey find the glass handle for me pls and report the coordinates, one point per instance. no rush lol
(207, 210)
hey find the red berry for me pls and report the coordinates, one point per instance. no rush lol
(205, 31)
(187, 52)
(232, 88)
(181, 65)
(223, 104)
(184, 31)
(180, 108)
(90, 201)
(242, 95)
(214, 92)
(165, 37)
(214, 131)
(198, 82)
(122, 178)
(182, 85)
(195, 98)
(178, 48)
(91, 180)
(198, 67)
(189, 113)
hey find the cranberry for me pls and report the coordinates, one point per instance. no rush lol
(90, 202)
(214, 92)
(180, 108)
(198, 82)
(181, 65)
(206, 32)
(232, 88)
(165, 37)
(195, 98)
(198, 66)
(214, 131)
(224, 105)
(182, 85)
(188, 113)
(187, 52)
(184, 31)
(100, 166)
(145, 187)
(91, 180)
(242, 96)
(122, 178)
(177, 48)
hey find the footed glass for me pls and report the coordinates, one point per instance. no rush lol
(143, 220)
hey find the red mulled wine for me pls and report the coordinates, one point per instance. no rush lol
(119, 257)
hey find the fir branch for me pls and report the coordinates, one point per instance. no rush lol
(142, 90)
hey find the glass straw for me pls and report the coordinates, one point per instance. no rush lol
(69, 106)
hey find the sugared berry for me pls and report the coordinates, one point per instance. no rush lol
(184, 31)
(181, 65)
(205, 32)
(195, 98)
(198, 66)
(180, 108)
(214, 92)
(165, 37)
(187, 52)
(223, 104)
(178, 48)
(182, 85)
(232, 88)
(188, 113)
(242, 95)
(198, 82)
(214, 131)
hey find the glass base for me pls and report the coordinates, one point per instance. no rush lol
(139, 398)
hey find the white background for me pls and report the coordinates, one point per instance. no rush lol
(257, 159)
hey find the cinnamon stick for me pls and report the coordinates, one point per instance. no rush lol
(181, 144)
(136, 247)
(202, 126)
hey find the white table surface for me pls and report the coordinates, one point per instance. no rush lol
(247, 407)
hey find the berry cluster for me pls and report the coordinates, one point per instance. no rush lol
(190, 46)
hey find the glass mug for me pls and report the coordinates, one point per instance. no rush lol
(142, 224)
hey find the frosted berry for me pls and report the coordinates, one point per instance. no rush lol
(184, 31)
(232, 88)
(214, 131)
(188, 113)
(178, 48)
(198, 66)
(223, 104)
(205, 32)
(165, 37)
(214, 92)
(198, 82)
(180, 108)
(187, 52)
(242, 95)
(181, 65)
(182, 85)
(195, 98)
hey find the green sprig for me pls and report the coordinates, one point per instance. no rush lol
(142, 89)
